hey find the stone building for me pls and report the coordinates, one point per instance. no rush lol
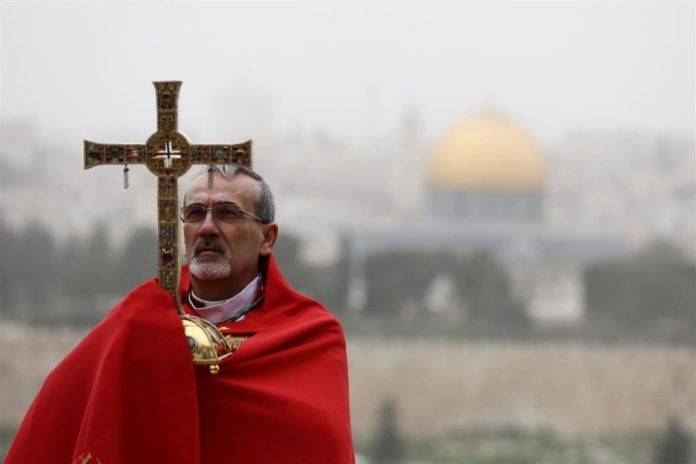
(485, 189)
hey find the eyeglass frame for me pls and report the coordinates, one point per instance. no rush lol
(210, 208)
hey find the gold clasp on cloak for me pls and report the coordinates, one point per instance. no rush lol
(207, 344)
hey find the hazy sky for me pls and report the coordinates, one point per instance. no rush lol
(84, 70)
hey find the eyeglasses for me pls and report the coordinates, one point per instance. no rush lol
(223, 212)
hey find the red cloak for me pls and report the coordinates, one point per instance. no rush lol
(129, 393)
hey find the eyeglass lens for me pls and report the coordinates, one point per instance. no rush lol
(226, 212)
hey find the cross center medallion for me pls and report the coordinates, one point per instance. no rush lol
(168, 153)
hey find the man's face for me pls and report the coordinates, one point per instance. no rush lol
(218, 250)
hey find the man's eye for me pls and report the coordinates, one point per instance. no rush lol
(227, 212)
(194, 213)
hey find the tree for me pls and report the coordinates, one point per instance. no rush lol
(675, 445)
(394, 277)
(298, 274)
(397, 277)
(137, 260)
(388, 445)
(286, 252)
(35, 252)
(647, 289)
(70, 265)
(318, 282)
(485, 286)
(9, 280)
(91, 265)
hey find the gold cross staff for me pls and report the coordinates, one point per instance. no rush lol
(168, 155)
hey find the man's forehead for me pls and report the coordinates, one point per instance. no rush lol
(239, 188)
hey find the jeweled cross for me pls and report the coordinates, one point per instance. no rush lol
(168, 155)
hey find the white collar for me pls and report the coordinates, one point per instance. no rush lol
(224, 310)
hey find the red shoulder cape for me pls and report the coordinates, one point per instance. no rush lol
(128, 392)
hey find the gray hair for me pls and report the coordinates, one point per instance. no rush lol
(264, 204)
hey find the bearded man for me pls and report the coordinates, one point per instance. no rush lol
(129, 393)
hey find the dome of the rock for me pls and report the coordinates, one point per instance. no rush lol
(487, 152)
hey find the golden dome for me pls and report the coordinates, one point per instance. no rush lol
(487, 151)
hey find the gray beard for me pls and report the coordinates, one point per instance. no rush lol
(209, 269)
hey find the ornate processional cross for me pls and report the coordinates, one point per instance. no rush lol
(168, 155)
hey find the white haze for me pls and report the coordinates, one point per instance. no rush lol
(352, 70)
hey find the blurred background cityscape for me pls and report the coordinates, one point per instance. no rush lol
(497, 200)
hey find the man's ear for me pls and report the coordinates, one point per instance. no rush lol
(270, 235)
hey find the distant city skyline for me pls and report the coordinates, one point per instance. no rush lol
(351, 70)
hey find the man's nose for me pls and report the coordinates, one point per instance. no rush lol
(209, 225)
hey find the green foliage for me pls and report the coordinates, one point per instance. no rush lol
(325, 284)
(482, 285)
(675, 446)
(87, 267)
(300, 276)
(34, 265)
(394, 277)
(388, 446)
(656, 286)
(93, 267)
(650, 293)
(8, 258)
(137, 261)
(287, 254)
(84, 271)
(485, 286)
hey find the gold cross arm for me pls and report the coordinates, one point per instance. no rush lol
(97, 154)
(167, 154)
